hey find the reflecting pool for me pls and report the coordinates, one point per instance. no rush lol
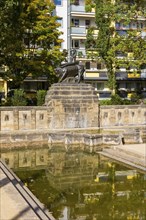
(75, 185)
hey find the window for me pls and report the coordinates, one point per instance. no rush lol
(126, 26)
(75, 22)
(129, 86)
(60, 21)
(118, 25)
(141, 25)
(122, 33)
(75, 44)
(100, 86)
(87, 23)
(75, 2)
(133, 25)
(58, 2)
(98, 65)
(88, 65)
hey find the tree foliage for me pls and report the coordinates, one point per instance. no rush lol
(89, 4)
(29, 39)
(41, 94)
(110, 42)
(19, 98)
(90, 41)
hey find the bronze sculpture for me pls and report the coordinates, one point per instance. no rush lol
(71, 71)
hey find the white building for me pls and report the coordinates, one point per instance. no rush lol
(75, 23)
(62, 12)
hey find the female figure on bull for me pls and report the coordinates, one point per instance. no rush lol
(72, 70)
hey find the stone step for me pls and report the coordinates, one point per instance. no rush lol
(127, 155)
(72, 100)
(75, 86)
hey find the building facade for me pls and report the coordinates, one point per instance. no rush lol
(76, 22)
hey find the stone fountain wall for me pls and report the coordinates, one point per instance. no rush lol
(72, 105)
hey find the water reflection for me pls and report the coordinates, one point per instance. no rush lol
(80, 186)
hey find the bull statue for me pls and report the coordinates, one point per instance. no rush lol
(70, 72)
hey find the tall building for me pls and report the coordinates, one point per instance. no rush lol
(75, 24)
(62, 12)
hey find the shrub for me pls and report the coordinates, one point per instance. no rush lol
(127, 102)
(135, 98)
(116, 100)
(19, 98)
(41, 97)
(105, 102)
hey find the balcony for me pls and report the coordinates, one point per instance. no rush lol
(79, 10)
(81, 53)
(38, 79)
(94, 74)
(134, 75)
(143, 34)
(78, 30)
(121, 75)
(143, 74)
(130, 75)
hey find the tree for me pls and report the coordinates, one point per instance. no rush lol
(110, 42)
(29, 39)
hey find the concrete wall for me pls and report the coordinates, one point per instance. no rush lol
(23, 118)
(122, 115)
(39, 118)
(20, 139)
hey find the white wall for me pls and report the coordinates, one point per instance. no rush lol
(61, 11)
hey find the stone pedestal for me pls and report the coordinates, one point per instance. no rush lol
(72, 105)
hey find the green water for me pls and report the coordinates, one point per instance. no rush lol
(80, 186)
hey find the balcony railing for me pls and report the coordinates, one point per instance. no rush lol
(102, 74)
(77, 8)
(78, 30)
(130, 75)
(81, 9)
(95, 74)
(81, 53)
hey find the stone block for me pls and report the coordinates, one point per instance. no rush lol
(72, 106)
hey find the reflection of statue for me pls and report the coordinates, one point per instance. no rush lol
(69, 71)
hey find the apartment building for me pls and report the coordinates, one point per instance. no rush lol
(133, 80)
(76, 22)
